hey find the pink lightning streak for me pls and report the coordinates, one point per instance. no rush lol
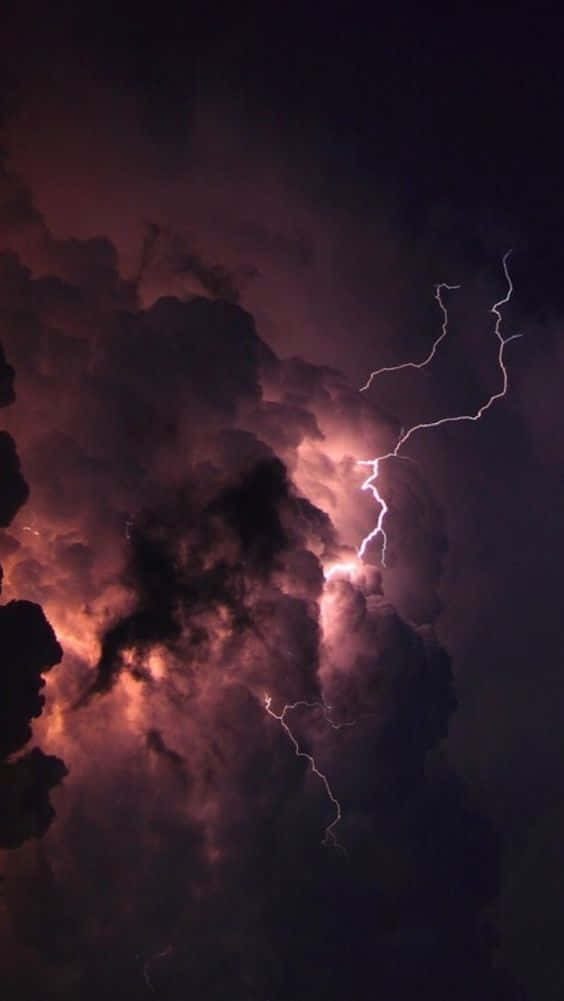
(370, 482)
(432, 352)
(329, 838)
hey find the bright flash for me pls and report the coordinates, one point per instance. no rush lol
(341, 570)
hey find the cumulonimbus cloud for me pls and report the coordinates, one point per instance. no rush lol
(191, 493)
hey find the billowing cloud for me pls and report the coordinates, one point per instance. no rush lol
(191, 535)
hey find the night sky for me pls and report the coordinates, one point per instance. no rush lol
(215, 223)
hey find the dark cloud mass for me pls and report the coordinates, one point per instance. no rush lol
(25, 786)
(164, 256)
(6, 381)
(28, 650)
(214, 223)
(14, 487)
(190, 493)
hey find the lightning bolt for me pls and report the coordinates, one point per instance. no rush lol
(432, 352)
(330, 839)
(370, 483)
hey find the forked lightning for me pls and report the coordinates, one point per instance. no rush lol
(374, 464)
(330, 838)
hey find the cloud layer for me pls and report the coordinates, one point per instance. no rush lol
(191, 534)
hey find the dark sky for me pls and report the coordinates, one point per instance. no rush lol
(295, 182)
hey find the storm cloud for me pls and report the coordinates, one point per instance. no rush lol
(28, 650)
(191, 536)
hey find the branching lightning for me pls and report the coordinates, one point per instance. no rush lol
(370, 483)
(330, 839)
